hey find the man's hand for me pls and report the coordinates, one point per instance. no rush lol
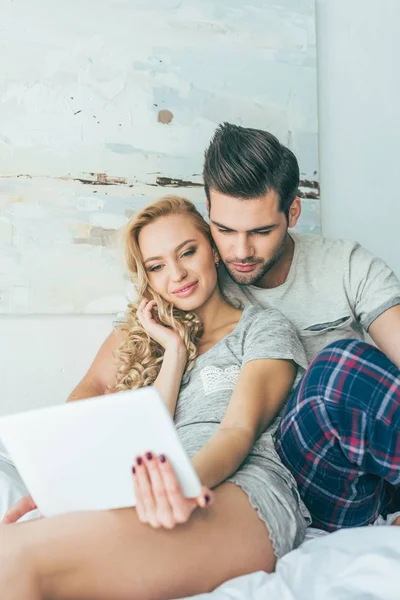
(23, 506)
(160, 501)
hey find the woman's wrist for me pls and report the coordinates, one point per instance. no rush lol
(177, 352)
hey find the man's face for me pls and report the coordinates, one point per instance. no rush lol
(250, 234)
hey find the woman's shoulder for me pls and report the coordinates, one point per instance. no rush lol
(267, 333)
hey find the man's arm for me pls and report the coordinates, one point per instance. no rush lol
(385, 332)
(101, 377)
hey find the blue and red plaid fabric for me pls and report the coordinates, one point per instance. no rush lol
(340, 436)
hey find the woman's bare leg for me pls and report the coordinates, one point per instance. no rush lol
(112, 556)
(18, 581)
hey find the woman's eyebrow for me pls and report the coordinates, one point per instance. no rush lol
(176, 250)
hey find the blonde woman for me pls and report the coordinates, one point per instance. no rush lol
(224, 375)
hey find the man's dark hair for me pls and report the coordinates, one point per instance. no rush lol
(248, 163)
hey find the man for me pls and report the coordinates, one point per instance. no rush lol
(329, 289)
(340, 434)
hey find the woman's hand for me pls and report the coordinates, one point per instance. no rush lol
(159, 498)
(19, 509)
(166, 337)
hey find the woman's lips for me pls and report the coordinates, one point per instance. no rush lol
(186, 290)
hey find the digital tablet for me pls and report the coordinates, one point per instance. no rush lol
(79, 456)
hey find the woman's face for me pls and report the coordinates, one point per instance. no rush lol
(179, 261)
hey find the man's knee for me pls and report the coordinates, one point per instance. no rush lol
(350, 357)
(346, 348)
(352, 373)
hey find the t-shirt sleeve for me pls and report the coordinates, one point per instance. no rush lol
(271, 335)
(373, 286)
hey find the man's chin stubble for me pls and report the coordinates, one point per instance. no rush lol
(243, 280)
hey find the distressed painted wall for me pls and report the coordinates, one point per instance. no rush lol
(107, 105)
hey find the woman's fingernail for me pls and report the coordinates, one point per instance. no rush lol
(162, 458)
(139, 460)
(207, 499)
(149, 455)
(133, 470)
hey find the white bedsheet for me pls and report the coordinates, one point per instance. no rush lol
(352, 564)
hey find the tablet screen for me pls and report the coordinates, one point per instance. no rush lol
(79, 456)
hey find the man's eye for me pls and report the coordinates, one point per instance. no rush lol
(263, 232)
(224, 230)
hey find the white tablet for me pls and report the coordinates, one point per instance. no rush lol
(79, 456)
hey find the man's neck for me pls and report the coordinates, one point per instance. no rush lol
(278, 274)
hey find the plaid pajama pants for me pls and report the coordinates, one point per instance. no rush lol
(340, 436)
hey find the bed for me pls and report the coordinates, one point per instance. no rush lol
(352, 564)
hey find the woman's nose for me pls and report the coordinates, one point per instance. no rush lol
(178, 272)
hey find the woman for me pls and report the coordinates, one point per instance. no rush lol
(224, 375)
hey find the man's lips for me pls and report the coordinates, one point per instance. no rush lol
(186, 290)
(244, 267)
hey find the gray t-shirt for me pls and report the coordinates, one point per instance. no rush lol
(202, 403)
(203, 400)
(335, 289)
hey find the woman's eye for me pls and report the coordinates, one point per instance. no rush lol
(189, 252)
(155, 268)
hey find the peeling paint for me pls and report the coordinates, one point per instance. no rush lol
(165, 116)
(99, 179)
(98, 236)
(310, 195)
(170, 182)
(309, 189)
(309, 184)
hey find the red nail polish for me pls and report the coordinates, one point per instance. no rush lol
(139, 460)
(149, 455)
(133, 470)
(207, 499)
(162, 458)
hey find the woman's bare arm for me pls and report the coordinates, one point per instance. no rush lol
(257, 398)
(101, 376)
(169, 379)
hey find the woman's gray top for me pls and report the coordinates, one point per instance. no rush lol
(261, 333)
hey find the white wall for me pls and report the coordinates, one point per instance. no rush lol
(82, 141)
(359, 110)
(82, 147)
(42, 358)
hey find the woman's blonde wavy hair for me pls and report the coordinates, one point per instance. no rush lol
(140, 356)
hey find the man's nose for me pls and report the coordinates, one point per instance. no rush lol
(243, 249)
